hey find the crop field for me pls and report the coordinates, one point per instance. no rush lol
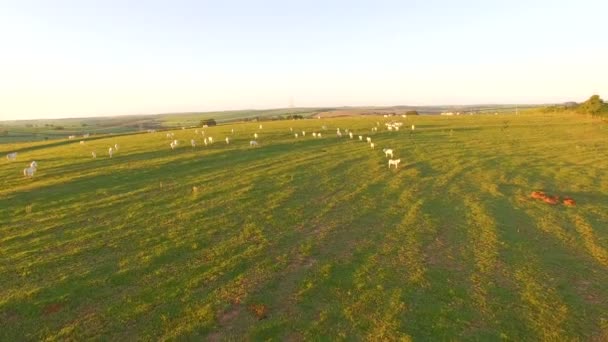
(311, 238)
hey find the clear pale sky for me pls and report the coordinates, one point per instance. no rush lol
(64, 58)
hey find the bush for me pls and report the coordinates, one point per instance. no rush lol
(208, 122)
(411, 112)
(594, 106)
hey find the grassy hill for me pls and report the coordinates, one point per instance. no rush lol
(50, 129)
(311, 238)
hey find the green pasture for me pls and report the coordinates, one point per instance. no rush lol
(311, 238)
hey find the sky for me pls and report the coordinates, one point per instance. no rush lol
(81, 58)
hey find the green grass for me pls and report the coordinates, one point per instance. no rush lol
(312, 239)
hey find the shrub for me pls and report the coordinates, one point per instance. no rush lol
(208, 122)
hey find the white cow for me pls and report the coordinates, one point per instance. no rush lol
(350, 134)
(29, 171)
(260, 126)
(413, 127)
(296, 135)
(172, 144)
(227, 141)
(303, 133)
(339, 134)
(255, 135)
(253, 143)
(205, 141)
(232, 131)
(318, 135)
(81, 142)
(11, 156)
(34, 164)
(211, 140)
(369, 140)
(110, 151)
(94, 155)
(360, 138)
(372, 145)
(394, 162)
(314, 135)
(116, 147)
(387, 152)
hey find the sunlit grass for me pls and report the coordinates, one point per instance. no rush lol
(311, 238)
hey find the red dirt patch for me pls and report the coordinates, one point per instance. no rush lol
(569, 202)
(553, 200)
(259, 310)
(229, 315)
(52, 308)
(538, 195)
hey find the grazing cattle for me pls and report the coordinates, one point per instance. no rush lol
(314, 135)
(387, 152)
(81, 142)
(34, 164)
(116, 147)
(350, 134)
(318, 135)
(29, 171)
(253, 143)
(339, 134)
(260, 126)
(193, 142)
(303, 133)
(372, 145)
(394, 162)
(413, 127)
(211, 140)
(360, 138)
(232, 131)
(205, 141)
(296, 135)
(255, 135)
(369, 140)
(390, 128)
(227, 141)
(172, 144)
(11, 156)
(71, 137)
(94, 155)
(396, 128)
(111, 152)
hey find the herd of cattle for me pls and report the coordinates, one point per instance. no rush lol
(207, 140)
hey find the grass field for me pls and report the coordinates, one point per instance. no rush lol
(311, 239)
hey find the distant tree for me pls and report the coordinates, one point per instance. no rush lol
(58, 128)
(594, 105)
(208, 122)
(411, 112)
(83, 125)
